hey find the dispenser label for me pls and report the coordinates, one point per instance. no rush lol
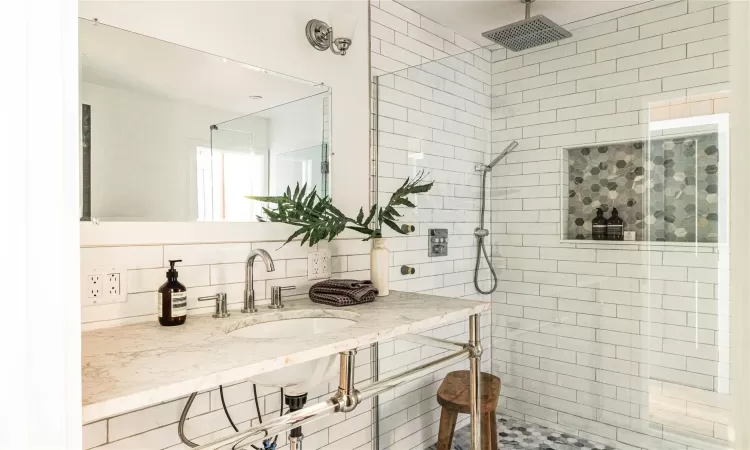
(179, 304)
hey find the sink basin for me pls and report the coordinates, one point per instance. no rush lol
(299, 378)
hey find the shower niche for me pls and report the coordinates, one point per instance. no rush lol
(666, 189)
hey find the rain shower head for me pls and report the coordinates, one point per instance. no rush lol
(527, 33)
(502, 155)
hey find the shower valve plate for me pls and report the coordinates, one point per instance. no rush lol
(437, 242)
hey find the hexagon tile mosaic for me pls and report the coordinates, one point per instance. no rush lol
(518, 434)
(670, 194)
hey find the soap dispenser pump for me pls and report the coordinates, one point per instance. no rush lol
(172, 299)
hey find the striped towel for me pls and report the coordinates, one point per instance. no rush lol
(343, 292)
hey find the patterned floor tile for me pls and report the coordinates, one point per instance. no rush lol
(518, 434)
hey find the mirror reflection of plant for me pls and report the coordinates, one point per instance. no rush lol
(318, 219)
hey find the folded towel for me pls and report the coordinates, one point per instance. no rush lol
(343, 292)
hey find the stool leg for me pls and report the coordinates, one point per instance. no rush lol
(447, 424)
(489, 431)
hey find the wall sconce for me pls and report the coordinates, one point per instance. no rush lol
(320, 36)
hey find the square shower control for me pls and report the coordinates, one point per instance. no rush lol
(437, 242)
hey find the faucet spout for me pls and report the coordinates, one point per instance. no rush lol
(249, 298)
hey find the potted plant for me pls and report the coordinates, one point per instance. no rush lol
(316, 219)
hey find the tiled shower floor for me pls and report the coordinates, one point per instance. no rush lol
(518, 434)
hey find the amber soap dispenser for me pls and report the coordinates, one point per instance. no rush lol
(172, 299)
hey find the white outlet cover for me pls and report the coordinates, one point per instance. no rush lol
(318, 265)
(325, 263)
(112, 285)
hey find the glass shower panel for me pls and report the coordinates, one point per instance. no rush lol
(432, 119)
(686, 323)
(617, 343)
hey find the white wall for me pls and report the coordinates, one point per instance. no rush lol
(40, 352)
(143, 158)
(271, 35)
(623, 344)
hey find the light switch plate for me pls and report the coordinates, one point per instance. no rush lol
(319, 265)
(103, 284)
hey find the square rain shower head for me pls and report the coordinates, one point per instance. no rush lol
(527, 33)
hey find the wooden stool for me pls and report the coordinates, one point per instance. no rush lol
(454, 397)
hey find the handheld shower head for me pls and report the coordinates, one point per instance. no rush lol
(512, 146)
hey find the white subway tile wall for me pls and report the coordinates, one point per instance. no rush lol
(624, 344)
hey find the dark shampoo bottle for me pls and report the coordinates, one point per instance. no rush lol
(615, 227)
(599, 226)
(172, 307)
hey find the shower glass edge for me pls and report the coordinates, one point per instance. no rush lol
(436, 117)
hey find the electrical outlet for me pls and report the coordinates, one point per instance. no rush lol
(103, 284)
(112, 286)
(318, 265)
(93, 286)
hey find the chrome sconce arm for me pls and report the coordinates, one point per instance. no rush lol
(320, 36)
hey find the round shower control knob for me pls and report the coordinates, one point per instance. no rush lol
(436, 240)
(407, 270)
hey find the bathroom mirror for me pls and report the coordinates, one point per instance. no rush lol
(172, 134)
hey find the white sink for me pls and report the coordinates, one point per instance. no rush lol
(299, 378)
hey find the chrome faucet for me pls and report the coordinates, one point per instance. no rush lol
(249, 291)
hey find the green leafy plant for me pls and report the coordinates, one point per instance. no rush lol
(318, 219)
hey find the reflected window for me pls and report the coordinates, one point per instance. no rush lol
(225, 178)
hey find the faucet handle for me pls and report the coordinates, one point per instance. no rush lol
(221, 304)
(276, 296)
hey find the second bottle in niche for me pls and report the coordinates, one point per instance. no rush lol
(599, 226)
(615, 227)
(603, 229)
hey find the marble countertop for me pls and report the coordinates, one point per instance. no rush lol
(133, 366)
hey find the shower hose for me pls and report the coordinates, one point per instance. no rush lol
(482, 233)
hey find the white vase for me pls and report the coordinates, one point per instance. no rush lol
(379, 266)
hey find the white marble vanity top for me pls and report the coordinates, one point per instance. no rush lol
(134, 366)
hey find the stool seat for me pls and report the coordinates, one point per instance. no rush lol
(454, 392)
(455, 398)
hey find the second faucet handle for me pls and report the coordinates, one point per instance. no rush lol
(221, 304)
(276, 296)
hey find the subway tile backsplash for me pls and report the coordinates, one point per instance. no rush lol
(207, 269)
